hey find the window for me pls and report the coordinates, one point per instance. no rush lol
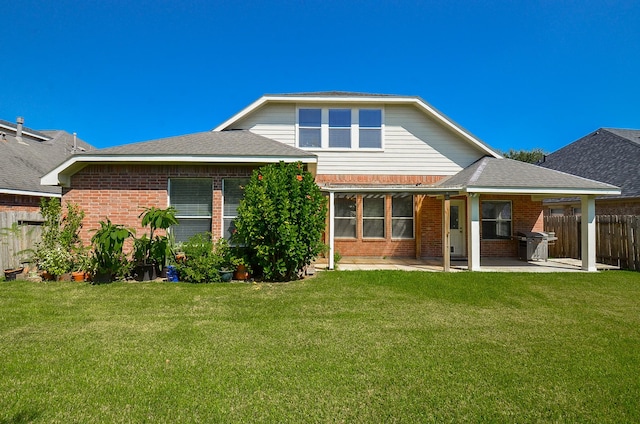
(345, 216)
(556, 211)
(233, 192)
(370, 124)
(192, 198)
(346, 128)
(496, 220)
(373, 217)
(339, 127)
(310, 127)
(402, 217)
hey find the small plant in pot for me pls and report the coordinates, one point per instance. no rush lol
(54, 261)
(81, 262)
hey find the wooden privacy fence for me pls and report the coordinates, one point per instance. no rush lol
(617, 239)
(19, 231)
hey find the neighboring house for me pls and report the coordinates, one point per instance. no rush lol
(402, 179)
(611, 155)
(25, 156)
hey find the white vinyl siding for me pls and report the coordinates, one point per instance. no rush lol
(414, 143)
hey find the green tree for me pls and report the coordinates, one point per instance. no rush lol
(529, 156)
(281, 220)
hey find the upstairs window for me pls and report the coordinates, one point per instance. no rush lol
(310, 121)
(335, 128)
(370, 125)
(340, 128)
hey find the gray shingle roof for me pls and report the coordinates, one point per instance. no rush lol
(511, 174)
(609, 154)
(217, 144)
(23, 162)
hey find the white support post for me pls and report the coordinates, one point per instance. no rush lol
(588, 227)
(446, 234)
(473, 212)
(331, 228)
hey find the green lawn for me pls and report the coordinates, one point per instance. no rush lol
(383, 346)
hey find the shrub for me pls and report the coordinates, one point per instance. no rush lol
(281, 220)
(201, 264)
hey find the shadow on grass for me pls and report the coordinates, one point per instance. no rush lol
(21, 417)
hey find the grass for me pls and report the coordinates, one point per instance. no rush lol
(380, 346)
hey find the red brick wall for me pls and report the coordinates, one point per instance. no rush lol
(377, 179)
(526, 216)
(120, 192)
(17, 202)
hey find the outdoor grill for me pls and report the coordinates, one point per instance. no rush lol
(534, 245)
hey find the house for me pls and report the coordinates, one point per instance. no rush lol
(611, 155)
(402, 179)
(25, 156)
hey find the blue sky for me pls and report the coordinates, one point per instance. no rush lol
(517, 74)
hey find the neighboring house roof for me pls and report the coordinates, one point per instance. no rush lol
(608, 154)
(23, 160)
(203, 147)
(493, 175)
(334, 97)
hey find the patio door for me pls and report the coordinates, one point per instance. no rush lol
(457, 227)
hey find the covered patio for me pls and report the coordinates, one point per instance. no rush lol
(492, 180)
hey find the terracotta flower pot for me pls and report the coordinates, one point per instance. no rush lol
(77, 276)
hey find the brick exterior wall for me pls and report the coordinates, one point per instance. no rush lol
(526, 216)
(120, 192)
(17, 202)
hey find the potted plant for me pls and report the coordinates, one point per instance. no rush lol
(54, 261)
(154, 249)
(108, 260)
(240, 264)
(81, 262)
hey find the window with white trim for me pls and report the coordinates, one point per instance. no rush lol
(339, 128)
(496, 219)
(345, 216)
(233, 193)
(309, 127)
(193, 199)
(373, 217)
(370, 128)
(402, 217)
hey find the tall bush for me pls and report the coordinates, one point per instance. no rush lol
(281, 219)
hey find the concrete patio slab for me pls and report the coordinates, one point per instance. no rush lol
(435, 265)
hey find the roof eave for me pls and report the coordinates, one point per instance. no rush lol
(61, 175)
(29, 193)
(554, 192)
